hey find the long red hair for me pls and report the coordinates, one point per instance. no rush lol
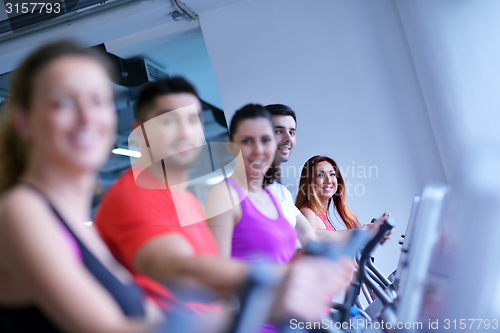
(307, 193)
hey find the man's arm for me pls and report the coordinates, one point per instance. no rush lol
(170, 259)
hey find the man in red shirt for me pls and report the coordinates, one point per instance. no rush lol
(152, 224)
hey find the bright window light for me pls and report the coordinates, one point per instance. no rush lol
(126, 152)
(217, 179)
(214, 180)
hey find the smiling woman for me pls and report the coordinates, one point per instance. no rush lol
(57, 131)
(321, 184)
(255, 228)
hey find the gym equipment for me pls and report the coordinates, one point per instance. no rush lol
(368, 275)
(424, 237)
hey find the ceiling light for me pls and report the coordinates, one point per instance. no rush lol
(126, 152)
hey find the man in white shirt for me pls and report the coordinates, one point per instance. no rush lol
(285, 124)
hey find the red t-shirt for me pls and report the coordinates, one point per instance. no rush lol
(129, 216)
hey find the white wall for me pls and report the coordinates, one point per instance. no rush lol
(346, 69)
(455, 47)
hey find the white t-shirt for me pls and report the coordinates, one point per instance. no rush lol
(290, 212)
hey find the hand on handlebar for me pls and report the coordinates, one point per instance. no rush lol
(375, 226)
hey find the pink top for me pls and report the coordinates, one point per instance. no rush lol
(259, 238)
(327, 223)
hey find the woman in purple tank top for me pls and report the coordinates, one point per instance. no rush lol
(247, 220)
(252, 227)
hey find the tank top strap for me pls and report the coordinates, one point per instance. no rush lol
(237, 187)
(326, 222)
(306, 205)
(50, 205)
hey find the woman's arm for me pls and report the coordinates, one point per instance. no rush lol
(305, 231)
(311, 217)
(223, 213)
(34, 255)
(308, 229)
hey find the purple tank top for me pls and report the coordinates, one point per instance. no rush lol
(258, 238)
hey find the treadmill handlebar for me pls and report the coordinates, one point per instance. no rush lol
(388, 224)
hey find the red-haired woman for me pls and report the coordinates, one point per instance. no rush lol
(321, 184)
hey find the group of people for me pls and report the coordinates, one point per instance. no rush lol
(151, 235)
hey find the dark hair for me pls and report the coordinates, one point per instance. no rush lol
(147, 97)
(307, 193)
(253, 111)
(13, 151)
(281, 110)
(249, 111)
